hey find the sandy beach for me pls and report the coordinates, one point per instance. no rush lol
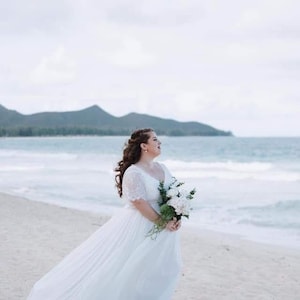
(35, 236)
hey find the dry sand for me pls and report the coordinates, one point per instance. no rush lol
(35, 236)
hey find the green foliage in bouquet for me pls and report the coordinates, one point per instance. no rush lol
(174, 203)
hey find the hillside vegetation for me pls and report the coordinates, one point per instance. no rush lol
(95, 121)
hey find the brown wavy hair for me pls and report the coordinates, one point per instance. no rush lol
(131, 154)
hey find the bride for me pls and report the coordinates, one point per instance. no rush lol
(119, 261)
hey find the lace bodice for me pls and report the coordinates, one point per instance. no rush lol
(138, 184)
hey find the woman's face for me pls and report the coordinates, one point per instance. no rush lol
(152, 146)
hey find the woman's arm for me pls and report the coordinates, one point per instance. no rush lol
(148, 212)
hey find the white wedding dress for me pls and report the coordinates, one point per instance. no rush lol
(118, 261)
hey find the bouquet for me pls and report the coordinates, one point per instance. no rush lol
(174, 203)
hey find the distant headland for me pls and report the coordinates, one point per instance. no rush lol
(95, 121)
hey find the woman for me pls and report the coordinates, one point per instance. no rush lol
(119, 261)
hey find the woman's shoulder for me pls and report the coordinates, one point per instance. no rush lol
(132, 174)
(136, 169)
(132, 169)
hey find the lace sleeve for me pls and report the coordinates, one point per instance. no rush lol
(133, 186)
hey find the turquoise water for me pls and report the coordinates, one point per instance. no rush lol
(247, 186)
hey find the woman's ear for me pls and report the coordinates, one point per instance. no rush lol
(143, 147)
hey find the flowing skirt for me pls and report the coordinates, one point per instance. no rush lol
(117, 262)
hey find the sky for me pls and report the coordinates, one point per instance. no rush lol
(234, 65)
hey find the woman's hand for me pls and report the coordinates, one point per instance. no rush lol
(173, 225)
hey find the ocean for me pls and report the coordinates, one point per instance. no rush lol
(245, 186)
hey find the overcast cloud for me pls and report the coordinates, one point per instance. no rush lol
(232, 64)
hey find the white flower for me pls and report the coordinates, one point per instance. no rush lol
(183, 193)
(180, 204)
(172, 192)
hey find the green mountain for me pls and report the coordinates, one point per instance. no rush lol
(95, 121)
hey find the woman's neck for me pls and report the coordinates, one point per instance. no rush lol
(146, 163)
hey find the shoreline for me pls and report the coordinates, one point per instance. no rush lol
(35, 236)
(289, 242)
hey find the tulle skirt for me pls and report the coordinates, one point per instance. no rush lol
(117, 262)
